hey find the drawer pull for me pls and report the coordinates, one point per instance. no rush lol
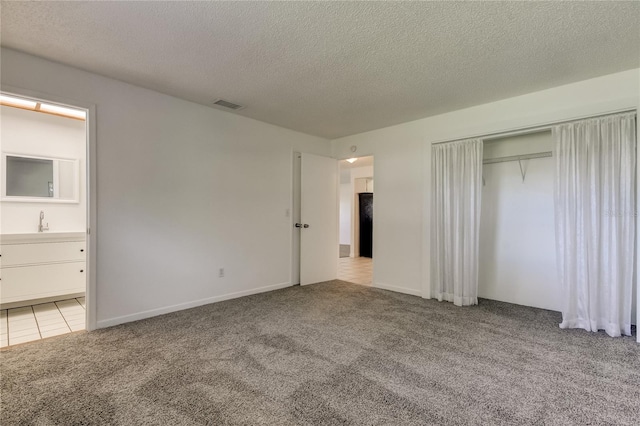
(81, 250)
(81, 270)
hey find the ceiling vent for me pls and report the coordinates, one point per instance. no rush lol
(228, 105)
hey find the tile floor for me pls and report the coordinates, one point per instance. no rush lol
(357, 270)
(20, 325)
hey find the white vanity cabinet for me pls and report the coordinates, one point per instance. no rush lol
(40, 266)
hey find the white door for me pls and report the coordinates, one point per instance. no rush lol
(319, 219)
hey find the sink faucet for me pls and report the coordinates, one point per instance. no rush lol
(41, 227)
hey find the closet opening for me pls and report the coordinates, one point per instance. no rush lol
(45, 210)
(517, 260)
(355, 263)
(541, 219)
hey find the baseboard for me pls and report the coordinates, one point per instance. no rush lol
(404, 290)
(381, 286)
(110, 322)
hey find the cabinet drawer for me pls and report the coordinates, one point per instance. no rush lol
(28, 254)
(34, 282)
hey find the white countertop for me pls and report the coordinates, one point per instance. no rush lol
(42, 237)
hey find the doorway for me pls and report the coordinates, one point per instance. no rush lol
(355, 263)
(45, 205)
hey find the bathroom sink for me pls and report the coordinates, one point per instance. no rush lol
(38, 237)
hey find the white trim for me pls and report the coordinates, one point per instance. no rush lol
(110, 322)
(425, 265)
(91, 161)
(405, 290)
(91, 187)
(637, 274)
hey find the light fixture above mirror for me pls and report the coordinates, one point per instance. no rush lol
(31, 105)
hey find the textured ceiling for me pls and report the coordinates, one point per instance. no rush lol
(333, 68)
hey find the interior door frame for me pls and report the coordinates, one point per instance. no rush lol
(91, 189)
(355, 230)
(637, 212)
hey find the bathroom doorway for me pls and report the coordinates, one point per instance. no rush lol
(45, 201)
(355, 263)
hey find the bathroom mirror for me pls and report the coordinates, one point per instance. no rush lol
(39, 179)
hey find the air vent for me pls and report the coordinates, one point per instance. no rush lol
(228, 105)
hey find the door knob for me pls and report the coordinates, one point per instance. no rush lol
(298, 225)
(306, 225)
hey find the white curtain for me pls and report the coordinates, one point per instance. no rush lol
(595, 222)
(455, 221)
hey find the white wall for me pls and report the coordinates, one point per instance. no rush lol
(38, 134)
(403, 157)
(182, 190)
(517, 259)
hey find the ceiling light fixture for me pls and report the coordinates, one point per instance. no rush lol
(351, 160)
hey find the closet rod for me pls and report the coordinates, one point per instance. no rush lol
(518, 157)
(531, 129)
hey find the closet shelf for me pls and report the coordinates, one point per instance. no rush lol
(517, 157)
